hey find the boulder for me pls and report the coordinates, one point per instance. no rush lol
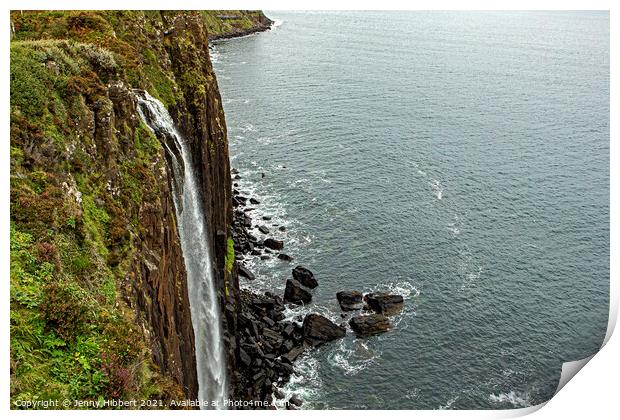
(282, 228)
(245, 272)
(263, 229)
(274, 244)
(384, 303)
(317, 328)
(305, 277)
(285, 257)
(295, 400)
(294, 292)
(293, 354)
(254, 201)
(245, 359)
(350, 300)
(370, 324)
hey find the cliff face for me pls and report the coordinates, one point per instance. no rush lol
(99, 304)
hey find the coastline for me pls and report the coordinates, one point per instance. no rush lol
(264, 24)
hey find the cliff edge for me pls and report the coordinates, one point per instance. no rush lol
(99, 300)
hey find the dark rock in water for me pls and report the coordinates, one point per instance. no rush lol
(285, 257)
(294, 292)
(295, 400)
(266, 217)
(350, 300)
(263, 229)
(265, 257)
(237, 177)
(288, 330)
(305, 277)
(294, 353)
(384, 303)
(262, 174)
(254, 201)
(278, 394)
(370, 324)
(234, 171)
(274, 243)
(318, 328)
(235, 184)
(282, 228)
(245, 272)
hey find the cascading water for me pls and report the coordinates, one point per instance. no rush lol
(205, 311)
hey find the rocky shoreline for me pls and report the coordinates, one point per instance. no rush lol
(267, 343)
(264, 24)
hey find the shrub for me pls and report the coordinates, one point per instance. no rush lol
(65, 309)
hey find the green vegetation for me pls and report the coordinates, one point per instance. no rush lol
(80, 181)
(230, 255)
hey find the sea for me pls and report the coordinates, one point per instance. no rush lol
(460, 159)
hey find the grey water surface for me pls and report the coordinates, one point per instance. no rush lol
(458, 158)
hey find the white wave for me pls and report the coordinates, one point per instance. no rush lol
(353, 356)
(449, 403)
(276, 23)
(405, 288)
(412, 394)
(437, 188)
(304, 382)
(246, 128)
(516, 399)
(454, 229)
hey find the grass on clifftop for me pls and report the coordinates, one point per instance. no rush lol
(72, 337)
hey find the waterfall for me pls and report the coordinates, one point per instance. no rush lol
(193, 232)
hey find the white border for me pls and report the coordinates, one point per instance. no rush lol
(593, 394)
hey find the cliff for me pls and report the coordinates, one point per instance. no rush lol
(99, 300)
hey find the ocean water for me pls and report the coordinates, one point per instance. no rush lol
(458, 158)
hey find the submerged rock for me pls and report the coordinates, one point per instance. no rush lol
(245, 272)
(295, 400)
(294, 292)
(274, 244)
(370, 324)
(305, 277)
(285, 257)
(263, 229)
(384, 303)
(319, 329)
(350, 300)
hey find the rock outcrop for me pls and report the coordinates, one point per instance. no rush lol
(385, 303)
(305, 277)
(370, 324)
(294, 292)
(318, 329)
(350, 300)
